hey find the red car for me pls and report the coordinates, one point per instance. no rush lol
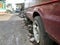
(45, 15)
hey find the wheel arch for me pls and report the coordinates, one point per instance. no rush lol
(35, 14)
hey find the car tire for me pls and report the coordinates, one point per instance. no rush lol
(39, 32)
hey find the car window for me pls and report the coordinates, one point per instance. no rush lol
(36, 2)
(29, 3)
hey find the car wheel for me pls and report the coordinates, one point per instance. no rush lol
(40, 35)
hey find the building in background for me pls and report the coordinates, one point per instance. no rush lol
(2, 6)
(14, 2)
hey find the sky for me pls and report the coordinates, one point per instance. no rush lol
(14, 1)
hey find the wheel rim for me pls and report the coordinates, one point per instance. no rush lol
(36, 32)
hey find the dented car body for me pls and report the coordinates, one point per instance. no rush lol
(49, 11)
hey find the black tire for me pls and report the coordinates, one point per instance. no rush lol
(43, 36)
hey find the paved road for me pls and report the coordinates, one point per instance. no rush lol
(13, 32)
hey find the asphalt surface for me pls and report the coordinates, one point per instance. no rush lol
(13, 32)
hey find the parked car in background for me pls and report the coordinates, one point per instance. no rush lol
(45, 17)
(17, 10)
